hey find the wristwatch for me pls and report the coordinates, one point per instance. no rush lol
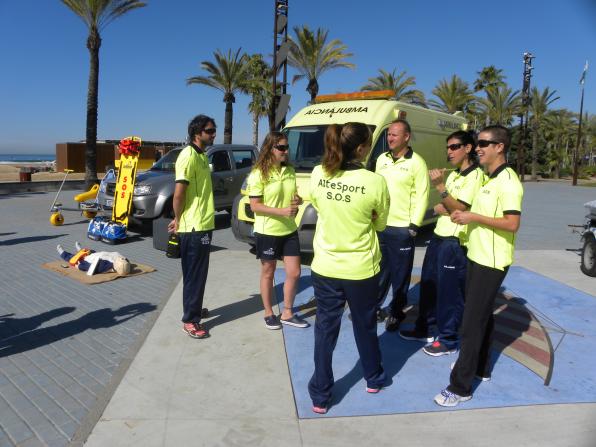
(444, 194)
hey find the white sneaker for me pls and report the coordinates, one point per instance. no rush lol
(448, 399)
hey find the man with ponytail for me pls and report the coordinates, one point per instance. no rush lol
(352, 205)
(407, 179)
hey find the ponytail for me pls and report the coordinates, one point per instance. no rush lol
(341, 144)
(333, 156)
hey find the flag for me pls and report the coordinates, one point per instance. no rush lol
(583, 78)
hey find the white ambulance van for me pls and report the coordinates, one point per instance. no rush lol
(305, 132)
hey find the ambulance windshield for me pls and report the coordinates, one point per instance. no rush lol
(307, 146)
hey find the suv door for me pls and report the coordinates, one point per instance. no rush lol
(243, 159)
(222, 177)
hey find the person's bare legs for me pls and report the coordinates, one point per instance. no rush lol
(266, 284)
(292, 267)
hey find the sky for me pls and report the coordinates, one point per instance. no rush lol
(147, 55)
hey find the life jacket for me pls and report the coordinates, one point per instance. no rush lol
(79, 256)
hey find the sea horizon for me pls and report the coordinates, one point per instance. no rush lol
(27, 158)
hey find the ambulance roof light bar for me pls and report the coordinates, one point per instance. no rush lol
(378, 94)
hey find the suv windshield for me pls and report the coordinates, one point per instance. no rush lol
(307, 146)
(167, 162)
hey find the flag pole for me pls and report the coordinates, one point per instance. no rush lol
(579, 129)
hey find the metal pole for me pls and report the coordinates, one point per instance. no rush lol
(579, 137)
(285, 75)
(274, 71)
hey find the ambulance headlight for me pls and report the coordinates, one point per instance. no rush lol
(142, 190)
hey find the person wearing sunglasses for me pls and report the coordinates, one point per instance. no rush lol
(194, 220)
(492, 221)
(352, 205)
(442, 281)
(407, 178)
(274, 199)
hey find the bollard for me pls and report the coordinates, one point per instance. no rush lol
(25, 174)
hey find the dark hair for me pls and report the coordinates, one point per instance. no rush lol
(465, 137)
(197, 125)
(404, 123)
(500, 134)
(265, 159)
(341, 143)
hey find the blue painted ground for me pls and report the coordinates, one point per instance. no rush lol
(417, 377)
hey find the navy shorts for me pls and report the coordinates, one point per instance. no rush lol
(271, 248)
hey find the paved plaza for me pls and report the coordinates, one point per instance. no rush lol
(109, 364)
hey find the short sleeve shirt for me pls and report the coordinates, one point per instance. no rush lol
(501, 194)
(463, 187)
(346, 245)
(276, 192)
(192, 168)
(408, 183)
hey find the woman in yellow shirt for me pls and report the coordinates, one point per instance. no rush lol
(352, 205)
(274, 200)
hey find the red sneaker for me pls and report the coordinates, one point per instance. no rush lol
(319, 410)
(195, 330)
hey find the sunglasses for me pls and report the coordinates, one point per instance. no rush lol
(282, 147)
(486, 143)
(210, 131)
(454, 147)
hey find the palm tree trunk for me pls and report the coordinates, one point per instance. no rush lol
(534, 154)
(313, 89)
(255, 129)
(228, 122)
(93, 44)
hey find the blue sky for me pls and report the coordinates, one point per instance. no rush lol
(147, 55)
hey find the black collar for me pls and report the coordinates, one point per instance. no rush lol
(351, 166)
(197, 148)
(468, 169)
(498, 170)
(408, 154)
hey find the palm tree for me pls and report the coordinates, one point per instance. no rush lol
(229, 74)
(488, 77)
(389, 81)
(312, 56)
(501, 105)
(452, 95)
(96, 15)
(539, 102)
(560, 132)
(258, 87)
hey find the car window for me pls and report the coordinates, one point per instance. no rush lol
(243, 158)
(380, 147)
(220, 161)
(167, 162)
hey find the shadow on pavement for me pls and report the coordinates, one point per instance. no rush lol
(102, 318)
(234, 311)
(27, 240)
(10, 326)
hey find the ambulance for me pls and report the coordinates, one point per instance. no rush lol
(305, 132)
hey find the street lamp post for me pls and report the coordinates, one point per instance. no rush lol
(281, 47)
(523, 123)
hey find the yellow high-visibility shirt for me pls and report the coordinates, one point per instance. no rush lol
(276, 192)
(463, 187)
(192, 168)
(408, 183)
(345, 242)
(501, 194)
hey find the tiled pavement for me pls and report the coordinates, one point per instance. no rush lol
(64, 346)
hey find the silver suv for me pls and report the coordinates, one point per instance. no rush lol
(154, 189)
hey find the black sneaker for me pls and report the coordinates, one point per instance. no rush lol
(416, 335)
(381, 315)
(272, 322)
(437, 349)
(295, 321)
(391, 323)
